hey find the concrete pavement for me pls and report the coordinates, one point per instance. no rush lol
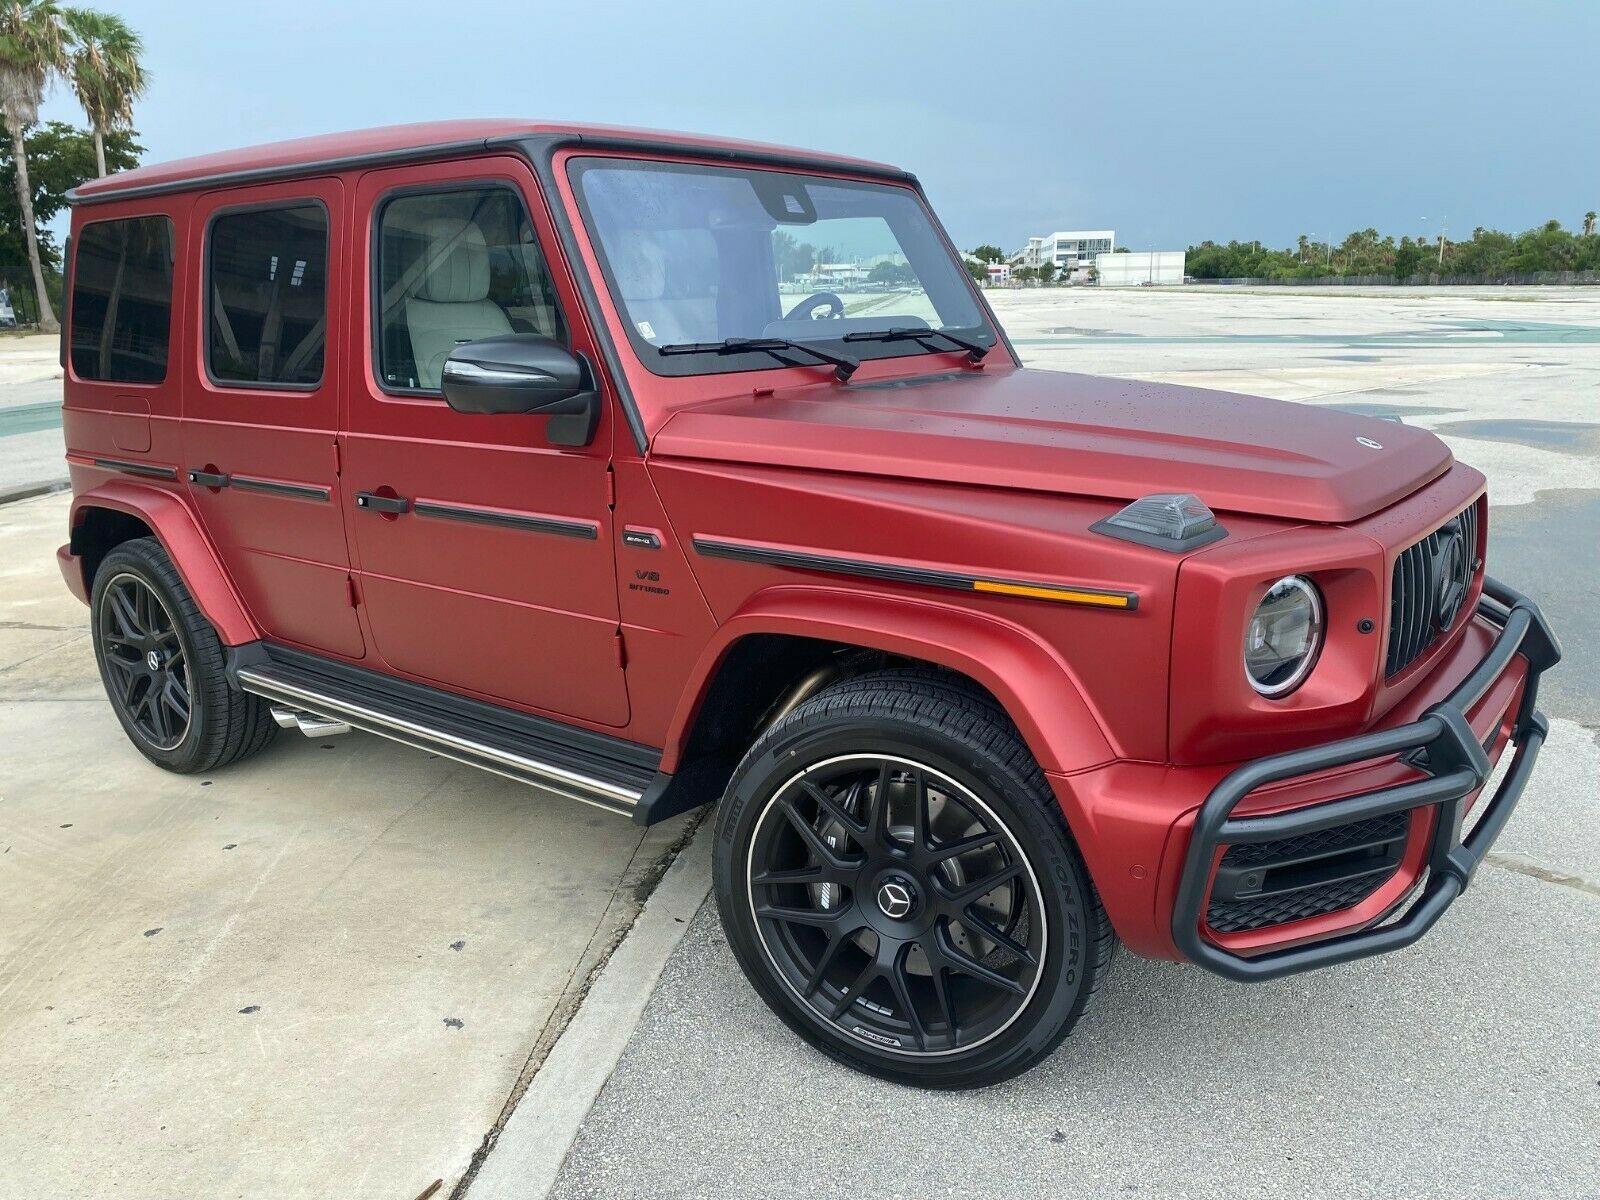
(30, 414)
(324, 971)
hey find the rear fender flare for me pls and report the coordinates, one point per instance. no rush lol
(1029, 678)
(178, 529)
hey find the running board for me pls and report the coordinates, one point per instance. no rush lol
(583, 766)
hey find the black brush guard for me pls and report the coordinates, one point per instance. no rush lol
(1441, 744)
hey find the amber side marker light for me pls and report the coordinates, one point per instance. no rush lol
(1063, 595)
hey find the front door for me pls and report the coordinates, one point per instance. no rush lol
(260, 406)
(483, 553)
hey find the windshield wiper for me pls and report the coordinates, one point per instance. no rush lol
(843, 365)
(975, 350)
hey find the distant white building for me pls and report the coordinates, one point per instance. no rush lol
(1070, 251)
(838, 273)
(1142, 268)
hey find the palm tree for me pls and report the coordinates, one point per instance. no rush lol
(1588, 223)
(105, 72)
(32, 48)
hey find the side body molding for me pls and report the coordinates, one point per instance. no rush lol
(1031, 680)
(178, 530)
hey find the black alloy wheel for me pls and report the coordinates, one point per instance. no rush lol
(165, 669)
(896, 904)
(147, 671)
(897, 880)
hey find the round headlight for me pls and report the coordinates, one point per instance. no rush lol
(1283, 636)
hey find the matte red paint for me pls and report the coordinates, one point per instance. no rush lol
(993, 471)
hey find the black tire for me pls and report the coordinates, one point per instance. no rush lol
(811, 916)
(168, 686)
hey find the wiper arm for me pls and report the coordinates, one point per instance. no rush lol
(975, 350)
(843, 365)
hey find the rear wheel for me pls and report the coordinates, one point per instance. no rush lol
(163, 666)
(898, 883)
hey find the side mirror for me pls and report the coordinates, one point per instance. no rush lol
(524, 373)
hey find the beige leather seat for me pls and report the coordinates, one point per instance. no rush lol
(640, 265)
(451, 302)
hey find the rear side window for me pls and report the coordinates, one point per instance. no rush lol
(122, 300)
(267, 295)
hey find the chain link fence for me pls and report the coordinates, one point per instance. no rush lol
(16, 294)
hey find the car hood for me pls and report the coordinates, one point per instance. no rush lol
(1079, 435)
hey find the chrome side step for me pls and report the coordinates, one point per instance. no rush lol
(298, 700)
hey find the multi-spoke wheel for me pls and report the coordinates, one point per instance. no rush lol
(162, 665)
(144, 660)
(896, 879)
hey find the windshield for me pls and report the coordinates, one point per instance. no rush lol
(695, 256)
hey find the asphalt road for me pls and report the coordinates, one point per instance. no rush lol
(1466, 1066)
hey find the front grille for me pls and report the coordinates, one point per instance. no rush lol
(1423, 574)
(1273, 883)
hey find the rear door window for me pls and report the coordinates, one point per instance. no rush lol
(121, 316)
(267, 296)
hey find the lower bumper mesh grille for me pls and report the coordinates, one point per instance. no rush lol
(1272, 883)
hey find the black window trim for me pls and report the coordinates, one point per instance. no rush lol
(234, 210)
(69, 275)
(703, 365)
(375, 266)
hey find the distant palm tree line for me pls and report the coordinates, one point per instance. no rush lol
(1488, 252)
(97, 56)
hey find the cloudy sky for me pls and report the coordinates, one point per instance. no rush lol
(1170, 122)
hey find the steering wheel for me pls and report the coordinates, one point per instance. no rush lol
(811, 308)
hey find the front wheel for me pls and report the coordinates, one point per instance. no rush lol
(898, 883)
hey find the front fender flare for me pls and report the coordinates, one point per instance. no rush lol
(1029, 678)
(178, 529)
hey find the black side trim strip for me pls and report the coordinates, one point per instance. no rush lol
(136, 468)
(587, 530)
(299, 491)
(804, 560)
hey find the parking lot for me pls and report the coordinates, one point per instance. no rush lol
(332, 970)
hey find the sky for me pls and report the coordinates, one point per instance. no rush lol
(1168, 122)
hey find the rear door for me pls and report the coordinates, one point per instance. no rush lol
(483, 553)
(261, 405)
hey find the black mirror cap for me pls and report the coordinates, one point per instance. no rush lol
(525, 373)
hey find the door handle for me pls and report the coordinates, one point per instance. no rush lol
(382, 504)
(216, 479)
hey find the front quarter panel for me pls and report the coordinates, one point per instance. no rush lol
(1114, 661)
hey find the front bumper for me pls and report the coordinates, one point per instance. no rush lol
(1455, 763)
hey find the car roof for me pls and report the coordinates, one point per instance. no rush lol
(398, 143)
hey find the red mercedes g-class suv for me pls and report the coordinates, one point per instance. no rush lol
(654, 469)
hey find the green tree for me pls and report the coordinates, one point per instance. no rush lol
(105, 72)
(792, 257)
(1047, 272)
(989, 254)
(32, 49)
(892, 273)
(1588, 223)
(60, 157)
(1025, 274)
